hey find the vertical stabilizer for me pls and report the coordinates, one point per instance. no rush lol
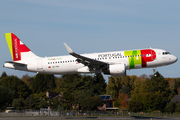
(18, 50)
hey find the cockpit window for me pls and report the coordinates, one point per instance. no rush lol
(166, 53)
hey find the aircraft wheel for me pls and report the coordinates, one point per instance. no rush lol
(155, 75)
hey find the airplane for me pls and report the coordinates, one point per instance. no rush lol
(110, 63)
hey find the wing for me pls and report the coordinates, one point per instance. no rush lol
(85, 60)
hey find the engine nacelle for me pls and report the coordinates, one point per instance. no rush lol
(116, 70)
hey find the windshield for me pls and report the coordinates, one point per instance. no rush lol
(165, 53)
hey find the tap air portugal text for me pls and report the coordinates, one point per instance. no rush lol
(112, 63)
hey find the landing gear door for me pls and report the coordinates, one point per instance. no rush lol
(39, 64)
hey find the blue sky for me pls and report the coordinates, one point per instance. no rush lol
(89, 26)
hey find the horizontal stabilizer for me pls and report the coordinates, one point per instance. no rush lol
(16, 63)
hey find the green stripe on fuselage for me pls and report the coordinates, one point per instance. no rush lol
(134, 59)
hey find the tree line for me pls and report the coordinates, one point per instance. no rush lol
(143, 93)
(77, 92)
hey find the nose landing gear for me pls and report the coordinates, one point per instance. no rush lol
(154, 71)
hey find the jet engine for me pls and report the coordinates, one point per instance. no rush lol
(116, 70)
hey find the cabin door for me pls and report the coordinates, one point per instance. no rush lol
(39, 64)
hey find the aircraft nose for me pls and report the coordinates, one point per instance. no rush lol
(174, 59)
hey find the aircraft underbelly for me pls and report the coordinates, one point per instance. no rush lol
(62, 69)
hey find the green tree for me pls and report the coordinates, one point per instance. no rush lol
(68, 101)
(100, 84)
(32, 102)
(117, 85)
(176, 86)
(152, 102)
(177, 108)
(170, 107)
(57, 104)
(6, 97)
(42, 83)
(135, 106)
(18, 87)
(27, 79)
(153, 93)
(91, 103)
(43, 103)
(3, 74)
(113, 87)
(18, 103)
(36, 101)
(125, 90)
(59, 87)
(76, 87)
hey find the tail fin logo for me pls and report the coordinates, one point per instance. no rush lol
(16, 47)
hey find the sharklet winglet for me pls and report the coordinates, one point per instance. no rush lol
(68, 48)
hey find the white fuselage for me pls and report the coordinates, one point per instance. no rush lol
(69, 65)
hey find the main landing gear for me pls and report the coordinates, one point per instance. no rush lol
(97, 71)
(95, 78)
